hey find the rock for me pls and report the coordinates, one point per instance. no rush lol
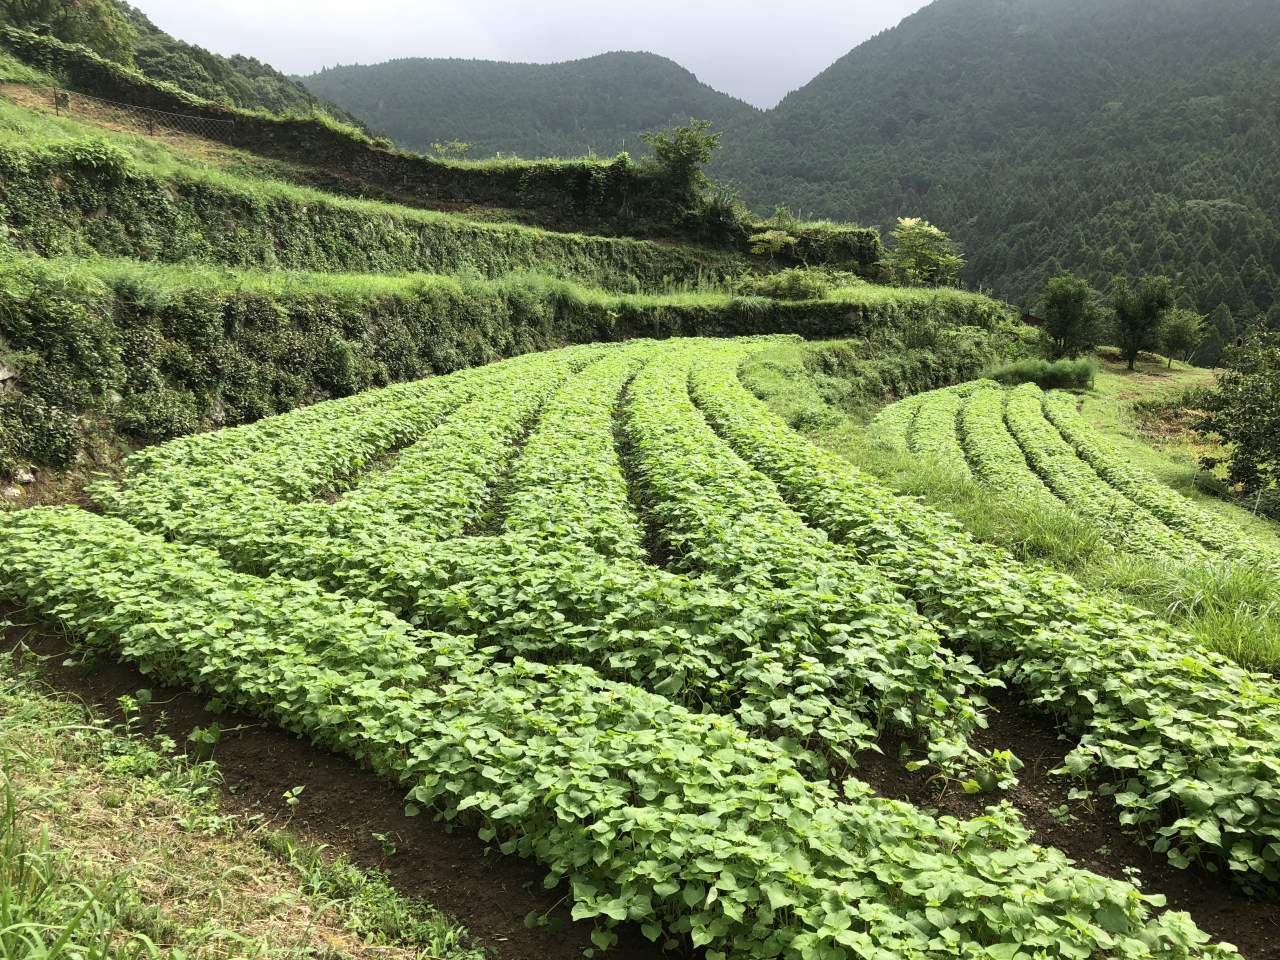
(24, 476)
(11, 493)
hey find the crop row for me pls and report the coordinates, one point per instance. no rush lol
(871, 655)
(568, 489)
(1179, 513)
(933, 432)
(646, 812)
(994, 456)
(1075, 482)
(442, 484)
(1185, 740)
(687, 638)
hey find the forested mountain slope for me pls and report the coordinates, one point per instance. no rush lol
(1106, 136)
(243, 81)
(599, 104)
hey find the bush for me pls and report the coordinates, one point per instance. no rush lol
(794, 284)
(1061, 375)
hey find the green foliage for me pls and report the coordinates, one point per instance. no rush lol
(454, 148)
(1059, 375)
(598, 106)
(1220, 334)
(1072, 316)
(649, 759)
(1182, 332)
(771, 242)
(985, 118)
(151, 353)
(793, 284)
(1175, 713)
(680, 154)
(923, 255)
(87, 196)
(1138, 313)
(239, 81)
(1244, 411)
(100, 25)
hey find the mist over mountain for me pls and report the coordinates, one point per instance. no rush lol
(600, 104)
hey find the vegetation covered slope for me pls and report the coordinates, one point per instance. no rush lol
(238, 81)
(1106, 137)
(601, 104)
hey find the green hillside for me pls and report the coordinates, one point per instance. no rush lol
(237, 80)
(1107, 137)
(600, 104)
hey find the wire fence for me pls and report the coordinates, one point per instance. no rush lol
(64, 101)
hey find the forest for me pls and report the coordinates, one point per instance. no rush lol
(598, 105)
(1097, 136)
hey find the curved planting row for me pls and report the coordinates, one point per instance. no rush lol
(993, 455)
(1076, 483)
(933, 431)
(1186, 741)
(865, 653)
(568, 488)
(1146, 491)
(771, 655)
(441, 485)
(676, 821)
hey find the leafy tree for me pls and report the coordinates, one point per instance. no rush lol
(1182, 332)
(680, 155)
(1138, 313)
(1244, 411)
(1072, 315)
(924, 255)
(771, 242)
(98, 24)
(454, 148)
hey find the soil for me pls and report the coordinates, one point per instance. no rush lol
(1094, 839)
(343, 806)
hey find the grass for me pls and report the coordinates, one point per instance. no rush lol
(112, 844)
(231, 172)
(1229, 606)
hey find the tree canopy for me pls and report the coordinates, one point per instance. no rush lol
(1072, 315)
(100, 25)
(1138, 314)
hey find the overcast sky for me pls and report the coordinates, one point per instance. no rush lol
(752, 49)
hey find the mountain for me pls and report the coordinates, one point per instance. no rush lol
(243, 81)
(568, 109)
(1105, 136)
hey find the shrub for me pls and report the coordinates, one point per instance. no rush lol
(1060, 375)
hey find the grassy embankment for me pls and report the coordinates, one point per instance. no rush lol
(1229, 606)
(112, 843)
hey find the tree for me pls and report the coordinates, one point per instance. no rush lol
(1182, 332)
(1221, 333)
(680, 155)
(1138, 314)
(1244, 411)
(1072, 315)
(101, 25)
(924, 255)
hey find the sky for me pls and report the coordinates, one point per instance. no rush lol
(758, 51)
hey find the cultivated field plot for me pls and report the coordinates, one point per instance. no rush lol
(604, 607)
(1035, 446)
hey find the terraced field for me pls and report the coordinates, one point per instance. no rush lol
(1033, 445)
(605, 608)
